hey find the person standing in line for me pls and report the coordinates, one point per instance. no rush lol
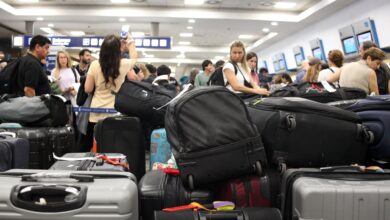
(85, 59)
(105, 76)
(251, 58)
(203, 77)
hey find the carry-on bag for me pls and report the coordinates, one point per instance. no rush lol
(375, 114)
(41, 149)
(297, 132)
(54, 194)
(212, 136)
(62, 140)
(158, 190)
(319, 93)
(92, 162)
(143, 100)
(335, 193)
(160, 149)
(238, 214)
(14, 152)
(122, 134)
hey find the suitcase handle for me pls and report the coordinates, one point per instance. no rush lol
(221, 215)
(40, 176)
(7, 133)
(49, 198)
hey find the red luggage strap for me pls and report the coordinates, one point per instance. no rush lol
(216, 206)
(113, 161)
(171, 171)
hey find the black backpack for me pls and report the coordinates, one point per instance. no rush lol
(216, 79)
(9, 78)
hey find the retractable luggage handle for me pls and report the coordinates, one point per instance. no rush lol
(228, 215)
(40, 176)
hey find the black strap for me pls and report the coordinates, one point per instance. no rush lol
(74, 74)
(331, 70)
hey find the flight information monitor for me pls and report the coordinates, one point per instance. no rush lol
(317, 53)
(298, 59)
(364, 37)
(349, 45)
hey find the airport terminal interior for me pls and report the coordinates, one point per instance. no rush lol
(195, 109)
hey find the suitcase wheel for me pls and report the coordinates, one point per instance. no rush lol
(370, 137)
(291, 122)
(259, 168)
(190, 179)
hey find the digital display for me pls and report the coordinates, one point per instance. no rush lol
(298, 59)
(364, 37)
(282, 65)
(349, 45)
(317, 53)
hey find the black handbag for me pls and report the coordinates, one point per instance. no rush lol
(144, 100)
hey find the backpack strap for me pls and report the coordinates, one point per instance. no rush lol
(331, 70)
(74, 73)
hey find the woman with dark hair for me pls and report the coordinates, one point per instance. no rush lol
(252, 60)
(105, 76)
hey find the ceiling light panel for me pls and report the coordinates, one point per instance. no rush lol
(285, 5)
(77, 33)
(186, 34)
(120, 1)
(184, 43)
(28, 1)
(193, 2)
(191, 21)
(245, 36)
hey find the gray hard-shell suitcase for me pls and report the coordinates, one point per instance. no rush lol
(81, 163)
(64, 195)
(335, 195)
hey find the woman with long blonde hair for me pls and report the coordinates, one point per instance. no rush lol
(65, 75)
(240, 81)
(314, 69)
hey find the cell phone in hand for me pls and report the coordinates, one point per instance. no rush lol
(124, 31)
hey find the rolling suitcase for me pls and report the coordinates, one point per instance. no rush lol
(32, 195)
(122, 134)
(62, 140)
(239, 214)
(207, 149)
(160, 149)
(91, 162)
(40, 147)
(158, 190)
(297, 132)
(14, 152)
(332, 194)
(375, 114)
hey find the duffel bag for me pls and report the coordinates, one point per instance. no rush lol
(317, 92)
(45, 110)
(143, 100)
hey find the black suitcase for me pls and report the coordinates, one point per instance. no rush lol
(158, 190)
(89, 161)
(14, 152)
(62, 140)
(121, 134)
(301, 133)
(212, 136)
(40, 147)
(240, 214)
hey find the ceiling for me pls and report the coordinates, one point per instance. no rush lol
(218, 22)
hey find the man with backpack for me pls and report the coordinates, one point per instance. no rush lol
(202, 78)
(31, 79)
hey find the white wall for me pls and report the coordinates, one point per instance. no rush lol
(327, 30)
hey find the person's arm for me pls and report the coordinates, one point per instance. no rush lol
(131, 75)
(29, 91)
(90, 79)
(197, 81)
(334, 77)
(373, 84)
(388, 87)
(231, 78)
(132, 51)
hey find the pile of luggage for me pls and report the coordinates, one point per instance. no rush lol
(271, 158)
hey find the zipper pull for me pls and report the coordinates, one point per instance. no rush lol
(257, 102)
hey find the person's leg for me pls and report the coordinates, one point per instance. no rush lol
(86, 141)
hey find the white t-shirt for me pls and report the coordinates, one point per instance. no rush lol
(66, 79)
(323, 75)
(239, 76)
